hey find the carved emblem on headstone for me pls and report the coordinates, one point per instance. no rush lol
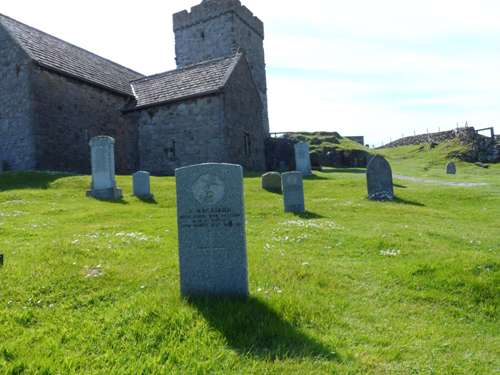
(208, 190)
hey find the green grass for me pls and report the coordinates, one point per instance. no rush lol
(354, 287)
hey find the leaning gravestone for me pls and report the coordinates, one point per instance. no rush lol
(142, 187)
(451, 168)
(211, 225)
(293, 192)
(379, 179)
(103, 169)
(271, 181)
(302, 158)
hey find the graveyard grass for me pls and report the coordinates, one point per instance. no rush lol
(352, 287)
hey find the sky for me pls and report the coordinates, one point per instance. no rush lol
(382, 69)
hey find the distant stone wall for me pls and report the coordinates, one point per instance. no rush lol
(69, 113)
(464, 135)
(481, 148)
(17, 144)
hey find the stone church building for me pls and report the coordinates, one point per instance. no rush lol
(54, 97)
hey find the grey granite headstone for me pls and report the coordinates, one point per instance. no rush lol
(142, 187)
(293, 192)
(302, 158)
(211, 225)
(103, 169)
(379, 179)
(271, 181)
(451, 168)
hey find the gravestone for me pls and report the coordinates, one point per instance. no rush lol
(103, 169)
(142, 187)
(293, 192)
(302, 158)
(271, 181)
(211, 225)
(379, 179)
(451, 168)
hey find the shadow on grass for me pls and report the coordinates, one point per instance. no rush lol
(113, 201)
(253, 328)
(308, 215)
(346, 170)
(29, 180)
(148, 200)
(400, 186)
(315, 177)
(407, 202)
(273, 191)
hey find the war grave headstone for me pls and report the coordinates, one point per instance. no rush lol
(271, 181)
(211, 225)
(103, 169)
(142, 185)
(302, 158)
(451, 168)
(379, 179)
(293, 192)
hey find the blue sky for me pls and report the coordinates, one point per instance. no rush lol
(360, 67)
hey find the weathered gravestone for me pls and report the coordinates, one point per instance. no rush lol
(379, 179)
(103, 169)
(451, 168)
(302, 158)
(211, 224)
(271, 181)
(142, 187)
(293, 192)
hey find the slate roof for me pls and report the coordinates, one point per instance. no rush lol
(56, 54)
(192, 81)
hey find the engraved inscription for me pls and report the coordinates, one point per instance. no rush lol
(215, 217)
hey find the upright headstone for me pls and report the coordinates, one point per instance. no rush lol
(451, 168)
(271, 181)
(103, 169)
(293, 192)
(379, 179)
(142, 186)
(302, 158)
(211, 225)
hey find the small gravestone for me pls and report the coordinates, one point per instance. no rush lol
(293, 192)
(103, 169)
(302, 158)
(271, 181)
(211, 226)
(379, 179)
(451, 168)
(142, 186)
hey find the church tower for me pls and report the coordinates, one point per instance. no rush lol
(218, 28)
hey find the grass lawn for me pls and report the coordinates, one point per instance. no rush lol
(353, 287)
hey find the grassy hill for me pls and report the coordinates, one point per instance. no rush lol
(353, 287)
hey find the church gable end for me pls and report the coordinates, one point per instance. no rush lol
(17, 145)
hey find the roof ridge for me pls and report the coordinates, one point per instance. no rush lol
(63, 41)
(187, 67)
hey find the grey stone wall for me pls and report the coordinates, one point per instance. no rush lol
(465, 135)
(244, 136)
(180, 134)
(69, 113)
(17, 146)
(218, 28)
